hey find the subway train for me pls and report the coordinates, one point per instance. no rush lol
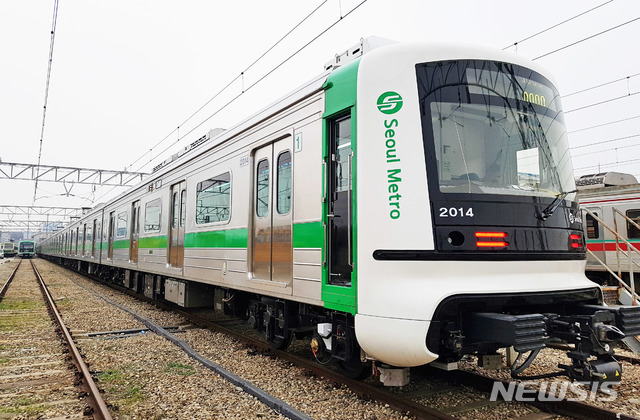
(611, 214)
(26, 248)
(414, 203)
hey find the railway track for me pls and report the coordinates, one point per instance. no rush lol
(431, 394)
(37, 379)
(434, 394)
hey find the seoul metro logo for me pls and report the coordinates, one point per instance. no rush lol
(389, 102)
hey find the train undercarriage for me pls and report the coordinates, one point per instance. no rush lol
(464, 325)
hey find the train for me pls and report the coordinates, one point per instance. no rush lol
(26, 248)
(412, 204)
(8, 249)
(611, 216)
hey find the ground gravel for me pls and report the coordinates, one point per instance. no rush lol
(146, 377)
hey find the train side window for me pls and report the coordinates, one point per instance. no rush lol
(593, 228)
(152, 215)
(183, 207)
(284, 183)
(176, 210)
(213, 199)
(121, 226)
(632, 231)
(262, 190)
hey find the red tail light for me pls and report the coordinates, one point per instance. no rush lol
(484, 243)
(575, 240)
(491, 234)
(492, 244)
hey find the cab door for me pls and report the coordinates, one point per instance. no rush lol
(177, 218)
(272, 252)
(340, 201)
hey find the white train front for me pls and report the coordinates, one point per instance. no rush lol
(414, 202)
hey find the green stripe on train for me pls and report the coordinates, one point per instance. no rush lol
(232, 238)
(308, 235)
(123, 244)
(305, 235)
(153, 242)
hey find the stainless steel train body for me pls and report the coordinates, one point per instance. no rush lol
(614, 202)
(408, 204)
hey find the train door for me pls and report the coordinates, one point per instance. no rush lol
(135, 232)
(177, 217)
(83, 246)
(272, 252)
(112, 223)
(339, 212)
(93, 238)
(595, 237)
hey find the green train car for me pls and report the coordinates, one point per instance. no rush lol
(8, 249)
(26, 249)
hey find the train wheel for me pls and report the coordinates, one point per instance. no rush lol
(354, 368)
(280, 342)
(278, 336)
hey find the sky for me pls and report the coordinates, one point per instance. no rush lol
(128, 76)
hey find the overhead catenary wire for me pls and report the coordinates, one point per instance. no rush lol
(230, 83)
(54, 24)
(606, 141)
(276, 67)
(515, 44)
(610, 150)
(625, 162)
(586, 39)
(627, 78)
(244, 90)
(602, 102)
(603, 124)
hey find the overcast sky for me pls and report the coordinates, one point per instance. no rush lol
(126, 74)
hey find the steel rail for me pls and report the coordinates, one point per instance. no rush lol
(8, 282)
(574, 409)
(100, 410)
(363, 389)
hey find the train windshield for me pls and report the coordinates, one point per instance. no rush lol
(493, 128)
(26, 247)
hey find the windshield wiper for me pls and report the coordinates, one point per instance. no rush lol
(547, 212)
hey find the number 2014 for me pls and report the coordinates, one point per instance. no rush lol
(456, 212)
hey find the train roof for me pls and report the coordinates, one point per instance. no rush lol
(605, 179)
(386, 48)
(607, 186)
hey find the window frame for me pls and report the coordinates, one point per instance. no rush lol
(157, 201)
(126, 224)
(595, 227)
(199, 223)
(258, 190)
(277, 180)
(630, 228)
